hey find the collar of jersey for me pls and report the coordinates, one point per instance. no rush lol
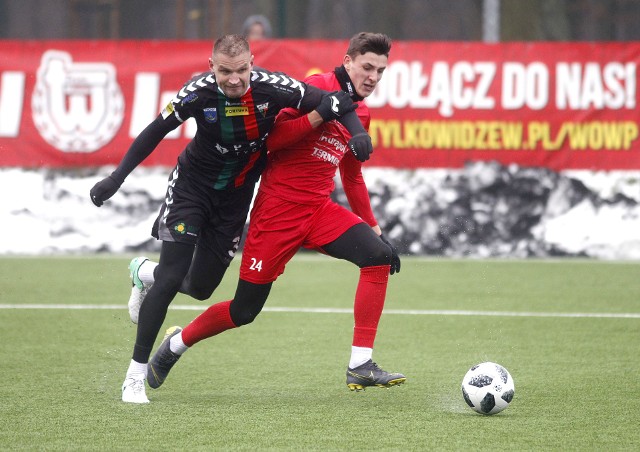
(346, 84)
(222, 92)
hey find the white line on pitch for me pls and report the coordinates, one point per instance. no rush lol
(597, 315)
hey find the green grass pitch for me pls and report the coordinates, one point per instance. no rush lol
(567, 330)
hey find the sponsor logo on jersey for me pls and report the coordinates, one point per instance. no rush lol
(190, 98)
(338, 145)
(236, 111)
(221, 149)
(325, 156)
(350, 88)
(329, 149)
(167, 110)
(210, 114)
(76, 107)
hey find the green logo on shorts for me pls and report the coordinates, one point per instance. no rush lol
(180, 228)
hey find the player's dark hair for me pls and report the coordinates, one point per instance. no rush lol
(364, 42)
(231, 45)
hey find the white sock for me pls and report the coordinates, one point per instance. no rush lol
(145, 272)
(176, 344)
(359, 356)
(137, 369)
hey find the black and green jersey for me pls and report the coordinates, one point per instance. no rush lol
(228, 149)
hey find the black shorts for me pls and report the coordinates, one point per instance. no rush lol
(197, 215)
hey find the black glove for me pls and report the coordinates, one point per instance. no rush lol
(104, 190)
(395, 257)
(361, 147)
(334, 105)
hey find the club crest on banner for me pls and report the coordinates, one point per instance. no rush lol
(76, 107)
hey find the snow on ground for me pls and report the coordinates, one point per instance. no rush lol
(482, 210)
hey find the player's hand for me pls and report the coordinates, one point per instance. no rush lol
(395, 257)
(335, 105)
(104, 190)
(361, 147)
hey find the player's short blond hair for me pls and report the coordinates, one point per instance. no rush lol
(231, 45)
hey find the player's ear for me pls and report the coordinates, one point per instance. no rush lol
(251, 62)
(211, 64)
(346, 61)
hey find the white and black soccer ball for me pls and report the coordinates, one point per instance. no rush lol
(488, 388)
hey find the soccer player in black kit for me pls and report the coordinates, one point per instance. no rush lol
(210, 190)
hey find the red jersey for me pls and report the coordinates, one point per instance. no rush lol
(302, 161)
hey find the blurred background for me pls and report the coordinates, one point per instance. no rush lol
(524, 201)
(467, 20)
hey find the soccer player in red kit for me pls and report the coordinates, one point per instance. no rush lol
(293, 209)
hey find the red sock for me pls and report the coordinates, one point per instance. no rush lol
(367, 308)
(213, 321)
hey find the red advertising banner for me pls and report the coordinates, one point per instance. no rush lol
(557, 105)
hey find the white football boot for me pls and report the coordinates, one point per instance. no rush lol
(133, 390)
(138, 290)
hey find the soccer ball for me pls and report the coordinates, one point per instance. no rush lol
(488, 388)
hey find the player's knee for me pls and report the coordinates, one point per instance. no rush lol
(243, 316)
(200, 292)
(168, 282)
(248, 302)
(380, 254)
(199, 288)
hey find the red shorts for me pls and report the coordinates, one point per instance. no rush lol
(278, 229)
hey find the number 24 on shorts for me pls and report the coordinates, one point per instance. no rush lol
(255, 264)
